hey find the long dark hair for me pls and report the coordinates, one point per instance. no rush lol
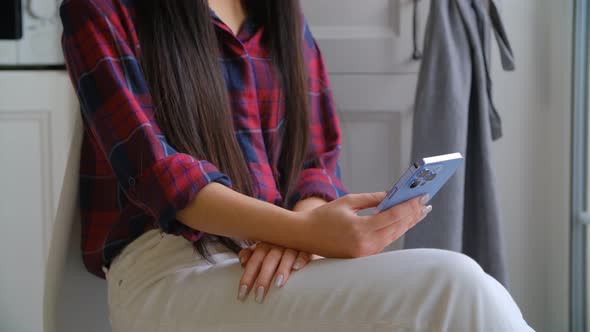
(180, 60)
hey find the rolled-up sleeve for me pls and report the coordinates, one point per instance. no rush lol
(118, 113)
(320, 175)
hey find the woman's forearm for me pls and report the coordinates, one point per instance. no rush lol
(222, 211)
(309, 204)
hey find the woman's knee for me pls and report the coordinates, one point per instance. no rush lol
(474, 293)
(457, 267)
(463, 275)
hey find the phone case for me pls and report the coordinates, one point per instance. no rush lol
(426, 176)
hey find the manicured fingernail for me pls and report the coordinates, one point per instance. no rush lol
(297, 265)
(243, 292)
(242, 259)
(426, 210)
(279, 280)
(259, 294)
(424, 199)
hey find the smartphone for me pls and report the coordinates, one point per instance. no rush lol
(425, 176)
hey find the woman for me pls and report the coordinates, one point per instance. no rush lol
(209, 123)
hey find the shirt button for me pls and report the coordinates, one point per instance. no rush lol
(131, 181)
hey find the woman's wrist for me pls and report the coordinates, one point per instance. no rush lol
(297, 233)
(296, 230)
(304, 226)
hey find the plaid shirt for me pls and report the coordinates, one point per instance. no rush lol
(131, 179)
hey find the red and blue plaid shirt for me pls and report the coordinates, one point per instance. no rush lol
(131, 179)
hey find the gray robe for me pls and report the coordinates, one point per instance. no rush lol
(454, 112)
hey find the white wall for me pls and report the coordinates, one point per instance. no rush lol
(533, 157)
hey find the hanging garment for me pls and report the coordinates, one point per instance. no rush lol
(454, 112)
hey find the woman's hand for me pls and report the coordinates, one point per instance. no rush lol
(264, 262)
(335, 229)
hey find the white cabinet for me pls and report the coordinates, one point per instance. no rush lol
(40, 135)
(368, 48)
(39, 44)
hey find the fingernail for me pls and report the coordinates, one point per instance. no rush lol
(242, 259)
(426, 210)
(297, 265)
(279, 280)
(259, 294)
(243, 292)
(424, 199)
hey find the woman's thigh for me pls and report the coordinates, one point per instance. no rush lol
(410, 290)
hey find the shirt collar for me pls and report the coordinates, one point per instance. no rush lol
(249, 27)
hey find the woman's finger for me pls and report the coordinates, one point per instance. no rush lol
(396, 214)
(284, 269)
(251, 271)
(267, 271)
(363, 201)
(302, 259)
(244, 255)
(395, 231)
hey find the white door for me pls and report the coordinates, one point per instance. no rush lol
(368, 48)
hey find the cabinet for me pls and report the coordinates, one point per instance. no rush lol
(40, 135)
(368, 49)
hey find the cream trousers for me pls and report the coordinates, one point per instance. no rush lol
(159, 283)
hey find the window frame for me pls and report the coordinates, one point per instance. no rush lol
(580, 218)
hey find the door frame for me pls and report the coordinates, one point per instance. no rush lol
(580, 218)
